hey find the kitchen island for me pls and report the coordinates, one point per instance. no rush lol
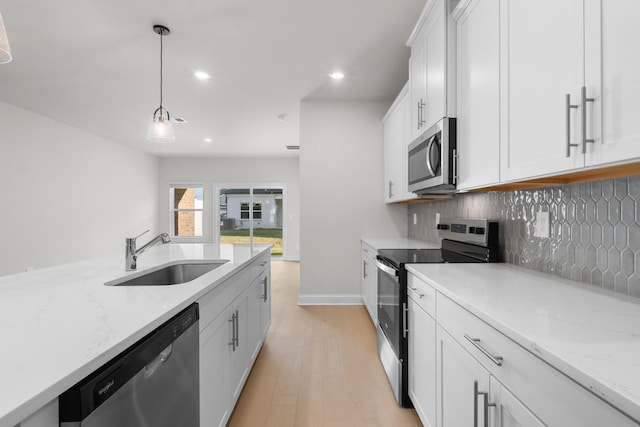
(59, 324)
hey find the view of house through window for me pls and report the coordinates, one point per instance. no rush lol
(251, 215)
(187, 208)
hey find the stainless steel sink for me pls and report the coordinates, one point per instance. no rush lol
(173, 274)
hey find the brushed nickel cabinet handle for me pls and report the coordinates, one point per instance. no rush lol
(568, 111)
(476, 343)
(405, 310)
(585, 140)
(232, 343)
(486, 405)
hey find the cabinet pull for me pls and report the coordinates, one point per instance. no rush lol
(405, 310)
(233, 331)
(364, 269)
(419, 119)
(476, 343)
(264, 296)
(390, 189)
(237, 330)
(585, 140)
(568, 112)
(486, 405)
(422, 114)
(419, 294)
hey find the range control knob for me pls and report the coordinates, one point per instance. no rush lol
(443, 226)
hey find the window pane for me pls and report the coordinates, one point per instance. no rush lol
(187, 223)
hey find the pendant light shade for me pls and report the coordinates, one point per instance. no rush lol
(160, 128)
(5, 50)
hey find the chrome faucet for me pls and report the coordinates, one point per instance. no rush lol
(131, 255)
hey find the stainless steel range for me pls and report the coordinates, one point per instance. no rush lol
(464, 241)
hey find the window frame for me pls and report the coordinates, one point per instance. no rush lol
(173, 210)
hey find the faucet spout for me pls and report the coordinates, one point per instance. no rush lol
(131, 254)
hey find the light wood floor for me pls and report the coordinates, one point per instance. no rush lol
(318, 367)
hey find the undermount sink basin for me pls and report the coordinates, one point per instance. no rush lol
(173, 274)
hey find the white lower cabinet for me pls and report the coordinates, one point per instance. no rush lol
(229, 344)
(369, 279)
(422, 361)
(215, 406)
(485, 379)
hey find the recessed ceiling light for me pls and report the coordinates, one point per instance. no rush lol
(208, 140)
(201, 75)
(337, 75)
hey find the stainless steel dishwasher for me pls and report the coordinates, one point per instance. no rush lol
(153, 383)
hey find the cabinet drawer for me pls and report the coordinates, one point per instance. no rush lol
(548, 393)
(214, 302)
(368, 250)
(422, 293)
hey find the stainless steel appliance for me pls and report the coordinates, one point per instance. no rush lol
(464, 241)
(152, 383)
(433, 160)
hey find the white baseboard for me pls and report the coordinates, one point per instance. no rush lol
(328, 299)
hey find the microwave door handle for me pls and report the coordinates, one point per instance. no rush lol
(428, 155)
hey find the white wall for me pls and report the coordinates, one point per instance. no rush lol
(67, 194)
(342, 196)
(212, 171)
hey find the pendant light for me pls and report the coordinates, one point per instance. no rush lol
(5, 50)
(160, 128)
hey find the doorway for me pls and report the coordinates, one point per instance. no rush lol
(251, 214)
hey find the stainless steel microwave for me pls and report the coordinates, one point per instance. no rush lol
(433, 160)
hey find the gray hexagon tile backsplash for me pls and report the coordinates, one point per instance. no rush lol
(594, 236)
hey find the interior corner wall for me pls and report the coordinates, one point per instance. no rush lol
(342, 197)
(235, 170)
(68, 195)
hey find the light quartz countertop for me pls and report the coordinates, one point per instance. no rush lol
(398, 243)
(59, 324)
(591, 335)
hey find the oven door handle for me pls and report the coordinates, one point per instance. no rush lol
(390, 271)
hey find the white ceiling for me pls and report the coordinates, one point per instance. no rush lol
(94, 64)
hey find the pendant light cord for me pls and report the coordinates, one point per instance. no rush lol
(161, 36)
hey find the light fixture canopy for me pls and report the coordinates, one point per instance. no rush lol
(160, 128)
(5, 49)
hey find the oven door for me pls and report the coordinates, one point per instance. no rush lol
(389, 304)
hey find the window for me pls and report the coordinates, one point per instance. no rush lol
(187, 210)
(257, 210)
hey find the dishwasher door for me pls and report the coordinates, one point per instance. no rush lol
(154, 383)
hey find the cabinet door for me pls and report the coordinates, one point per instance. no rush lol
(394, 148)
(436, 65)
(543, 61)
(611, 74)
(422, 363)
(239, 368)
(418, 85)
(479, 94)
(457, 373)
(265, 300)
(509, 411)
(254, 315)
(214, 373)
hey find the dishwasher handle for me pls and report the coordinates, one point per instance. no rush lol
(156, 363)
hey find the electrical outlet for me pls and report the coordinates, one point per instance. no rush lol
(415, 218)
(542, 224)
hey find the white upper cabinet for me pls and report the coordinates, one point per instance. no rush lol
(611, 74)
(418, 86)
(395, 125)
(478, 38)
(542, 76)
(432, 67)
(569, 87)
